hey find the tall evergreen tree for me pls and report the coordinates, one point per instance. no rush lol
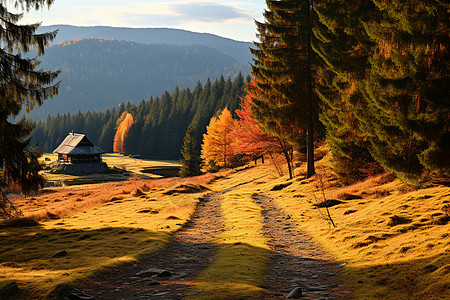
(343, 53)
(407, 117)
(22, 85)
(283, 72)
(190, 161)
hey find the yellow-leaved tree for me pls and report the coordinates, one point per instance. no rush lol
(123, 126)
(216, 147)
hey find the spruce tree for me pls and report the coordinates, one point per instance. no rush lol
(407, 95)
(283, 73)
(190, 162)
(343, 50)
(22, 85)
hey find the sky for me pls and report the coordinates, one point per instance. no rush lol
(231, 19)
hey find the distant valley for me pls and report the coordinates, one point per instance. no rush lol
(105, 66)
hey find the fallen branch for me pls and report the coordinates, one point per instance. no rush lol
(7, 209)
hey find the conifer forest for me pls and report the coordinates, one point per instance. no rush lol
(371, 77)
(310, 163)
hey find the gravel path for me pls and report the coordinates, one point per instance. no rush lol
(296, 260)
(169, 271)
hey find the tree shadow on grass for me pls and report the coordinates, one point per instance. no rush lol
(424, 278)
(29, 255)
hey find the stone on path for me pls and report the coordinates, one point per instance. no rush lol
(151, 271)
(80, 296)
(295, 293)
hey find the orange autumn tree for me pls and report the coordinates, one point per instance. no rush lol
(216, 147)
(251, 139)
(124, 124)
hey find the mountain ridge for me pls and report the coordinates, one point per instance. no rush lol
(98, 73)
(237, 49)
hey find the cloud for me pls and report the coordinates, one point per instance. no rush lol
(207, 12)
(232, 19)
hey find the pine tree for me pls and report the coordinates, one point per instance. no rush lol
(407, 94)
(190, 162)
(343, 51)
(22, 85)
(283, 72)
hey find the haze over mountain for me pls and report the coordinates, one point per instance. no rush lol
(99, 73)
(236, 49)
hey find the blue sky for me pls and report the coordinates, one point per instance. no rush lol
(232, 19)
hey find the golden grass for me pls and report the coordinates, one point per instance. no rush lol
(130, 224)
(237, 270)
(394, 239)
(132, 166)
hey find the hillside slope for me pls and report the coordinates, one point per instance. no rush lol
(236, 49)
(100, 73)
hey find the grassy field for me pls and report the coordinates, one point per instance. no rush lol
(130, 166)
(394, 239)
(99, 226)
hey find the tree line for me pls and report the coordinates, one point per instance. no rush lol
(158, 124)
(373, 73)
(99, 73)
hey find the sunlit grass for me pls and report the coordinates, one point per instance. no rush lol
(237, 269)
(384, 260)
(121, 230)
(131, 166)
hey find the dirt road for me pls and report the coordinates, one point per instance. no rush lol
(296, 261)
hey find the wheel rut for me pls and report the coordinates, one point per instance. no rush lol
(167, 273)
(296, 260)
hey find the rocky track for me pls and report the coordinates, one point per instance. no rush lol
(297, 262)
(166, 274)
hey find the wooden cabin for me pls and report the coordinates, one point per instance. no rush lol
(77, 148)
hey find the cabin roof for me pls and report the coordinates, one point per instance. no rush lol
(76, 144)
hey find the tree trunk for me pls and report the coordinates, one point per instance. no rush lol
(310, 109)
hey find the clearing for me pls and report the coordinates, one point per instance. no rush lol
(237, 234)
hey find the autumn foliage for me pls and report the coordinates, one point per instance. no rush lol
(227, 138)
(249, 136)
(124, 124)
(216, 147)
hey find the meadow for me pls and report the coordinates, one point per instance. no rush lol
(391, 240)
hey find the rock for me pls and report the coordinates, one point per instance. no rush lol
(151, 271)
(430, 268)
(80, 296)
(60, 254)
(9, 290)
(328, 203)
(296, 293)
(397, 220)
(281, 186)
(194, 293)
(164, 273)
(81, 169)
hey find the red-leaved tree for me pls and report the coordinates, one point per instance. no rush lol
(251, 139)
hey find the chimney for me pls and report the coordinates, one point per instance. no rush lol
(72, 132)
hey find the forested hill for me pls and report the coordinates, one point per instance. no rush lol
(159, 124)
(101, 73)
(236, 49)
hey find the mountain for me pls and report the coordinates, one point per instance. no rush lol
(236, 49)
(100, 73)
